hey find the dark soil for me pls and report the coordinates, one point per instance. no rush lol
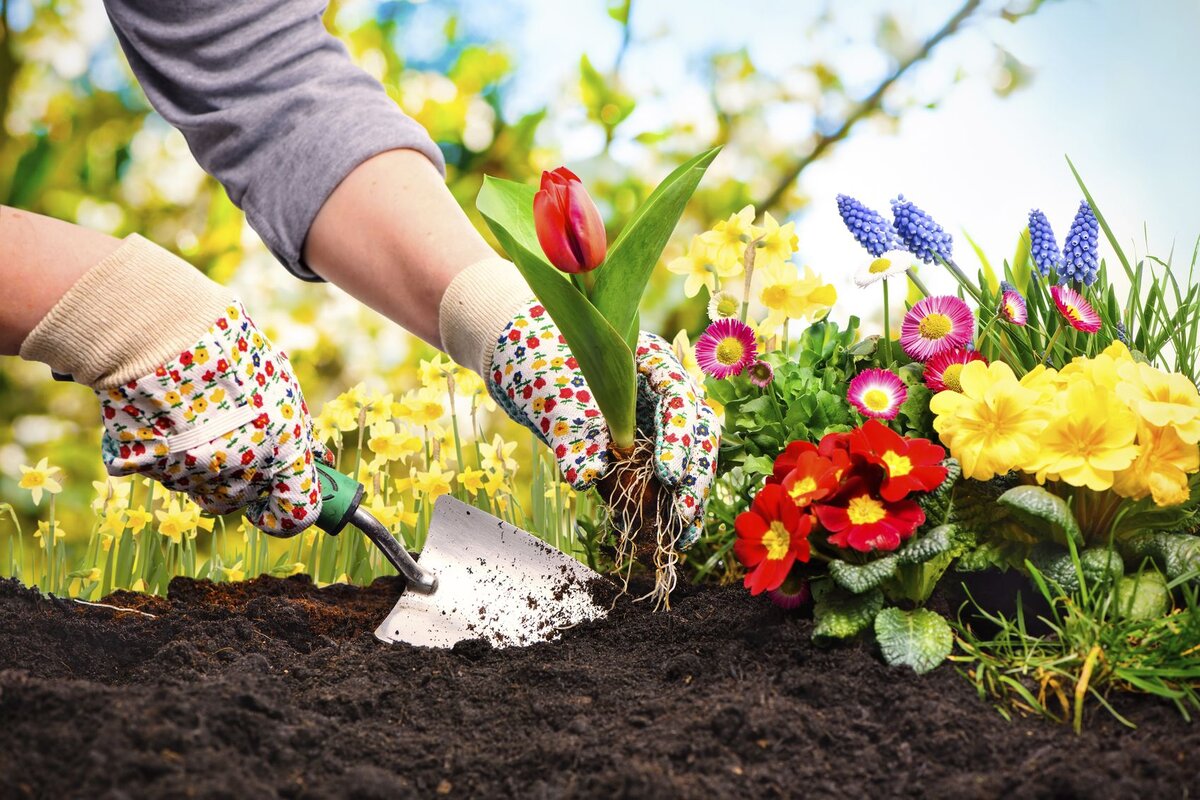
(275, 688)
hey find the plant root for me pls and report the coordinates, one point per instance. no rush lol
(642, 515)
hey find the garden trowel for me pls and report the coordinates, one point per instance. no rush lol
(479, 577)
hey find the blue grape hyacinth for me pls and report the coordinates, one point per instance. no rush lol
(923, 237)
(1042, 244)
(867, 226)
(1081, 248)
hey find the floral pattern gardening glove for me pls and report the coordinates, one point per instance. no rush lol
(537, 381)
(225, 422)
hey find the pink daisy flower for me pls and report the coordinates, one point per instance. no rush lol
(726, 348)
(877, 393)
(1012, 306)
(761, 374)
(1078, 311)
(935, 325)
(942, 371)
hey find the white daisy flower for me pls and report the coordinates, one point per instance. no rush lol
(893, 262)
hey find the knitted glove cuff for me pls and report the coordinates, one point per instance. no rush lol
(477, 305)
(136, 309)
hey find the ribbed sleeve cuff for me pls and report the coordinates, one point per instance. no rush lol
(477, 305)
(136, 309)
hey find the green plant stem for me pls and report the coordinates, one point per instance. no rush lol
(963, 280)
(748, 264)
(912, 276)
(887, 324)
(1053, 341)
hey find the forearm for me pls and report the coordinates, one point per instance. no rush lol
(40, 260)
(394, 237)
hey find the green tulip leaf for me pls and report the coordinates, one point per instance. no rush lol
(604, 358)
(920, 638)
(621, 279)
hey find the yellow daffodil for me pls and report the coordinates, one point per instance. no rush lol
(423, 406)
(471, 480)
(786, 295)
(378, 409)
(776, 243)
(43, 531)
(235, 572)
(182, 519)
(700, 268)
(495, 485)
(1161, 470)
(497, 457)
(392, 445)
(686, 354)
(433, 372)
(728, 239)
(110, 494)
(432, 483)
(138, 518)
(38, 479)
(113, 522)
(341, 412)
(388, 514)
(1089, 438)
(993, 425)
(1162, 399)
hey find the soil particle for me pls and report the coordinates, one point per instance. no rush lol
(274, 688)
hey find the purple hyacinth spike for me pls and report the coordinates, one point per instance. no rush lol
(1042, 245)
(1081, 248)
(867, 226)
(923, 237)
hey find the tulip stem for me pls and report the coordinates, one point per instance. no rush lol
(589, 283)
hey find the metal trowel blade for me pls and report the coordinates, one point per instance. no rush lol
(494, 582)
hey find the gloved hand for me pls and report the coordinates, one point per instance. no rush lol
(191, 393)
(531, 374)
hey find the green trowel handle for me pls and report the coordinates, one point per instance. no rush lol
(340, 496)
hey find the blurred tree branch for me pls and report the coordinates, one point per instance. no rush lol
(870, 104)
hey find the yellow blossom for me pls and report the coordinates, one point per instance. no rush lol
(38, 479)
(110, 494)
(113, 522)
(432, 483)
(138, 518)
(181, 519)
(471, 480)
(728, 239)
(776, 243)
(390, 444)
(1162, 468)
(43, 529)
(786, 295)
(497, 457)
(235, 572)
(700, 268)
(686, 354)
(993, 425)
(1162, 399)
(1088, 439)
(423, 406)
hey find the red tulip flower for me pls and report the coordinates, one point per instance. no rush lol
(568, 223)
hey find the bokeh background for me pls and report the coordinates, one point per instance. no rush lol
(966, 107)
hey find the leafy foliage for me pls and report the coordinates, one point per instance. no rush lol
(920, 638)
(841, 614)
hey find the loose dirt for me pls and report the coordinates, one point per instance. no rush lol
(274, 688)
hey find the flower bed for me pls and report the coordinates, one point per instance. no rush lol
(275, 688)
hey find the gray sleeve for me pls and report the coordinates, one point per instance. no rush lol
(269, 102)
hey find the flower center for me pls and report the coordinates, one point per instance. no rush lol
(774, 296)
(777, 540)
(897, 465)
(727, 306)
(865, 510)
(952, 377)
(1073, 312)
(34, 479)
(802, 489)
(877, 400)
(730, 351)
(879, 265)
(935, 326)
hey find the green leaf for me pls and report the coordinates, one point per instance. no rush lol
(841, 614)
(920, 638)
(922, 548)
(989, 274)
(758, 465)
(1022, 265)
(1177, 554)
(604, 358)
(1144, 596)
(622, 278)
(859, 578)
(1035, 503)
(1099, 565)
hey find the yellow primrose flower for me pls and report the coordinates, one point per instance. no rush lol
(38, 479)
(1162, 468)
(43, 528)
(776, 243)
(786, 295)
(728, 239)
(497, 457)
(392, 445)
(700, 268)
(993, 425)
(471, 480)
(1089, 439)
(1162, 399)
(432, 483)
